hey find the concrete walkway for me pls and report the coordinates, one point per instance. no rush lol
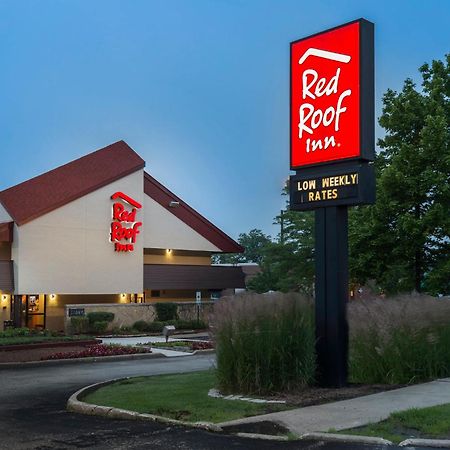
(358, 411)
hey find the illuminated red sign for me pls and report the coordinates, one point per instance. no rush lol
(328, 106)
(124, 227)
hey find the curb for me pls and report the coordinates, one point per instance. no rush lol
(94, 359)
(267, 437)
(345, 438)
(78, 406)
(90, 359)
(436, 443)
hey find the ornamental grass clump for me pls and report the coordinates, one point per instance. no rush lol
(403, 339)
(264, 343)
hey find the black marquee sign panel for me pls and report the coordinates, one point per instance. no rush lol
(337, 185)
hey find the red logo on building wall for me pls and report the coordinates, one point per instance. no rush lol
(325, 96)
(124, 227)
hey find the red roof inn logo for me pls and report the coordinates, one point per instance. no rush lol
(124, 227)
(325, 96)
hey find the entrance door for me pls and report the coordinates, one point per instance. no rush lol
(35, 306)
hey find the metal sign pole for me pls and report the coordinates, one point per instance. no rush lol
(331, 295)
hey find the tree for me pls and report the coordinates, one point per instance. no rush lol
(254, 243)
(288, 263)
(403, 241)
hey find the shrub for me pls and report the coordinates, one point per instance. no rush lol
(99, 326)
(403, 339)
(190, 325)
(100, 316)
(155, 327)
(79, 325)
(15, 332)
(126, 330)
(264, 343)
(141, 325)
(166, 311)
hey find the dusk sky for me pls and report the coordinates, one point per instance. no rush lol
(200, 89)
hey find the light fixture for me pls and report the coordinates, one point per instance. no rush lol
(52, 296)
(4, 297)
(174, 204)
(169, 251)
(123, 296)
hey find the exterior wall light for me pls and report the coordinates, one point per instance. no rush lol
(174, 204)
(52, 297)
(169, 251)
(123, 296)
(4, 297)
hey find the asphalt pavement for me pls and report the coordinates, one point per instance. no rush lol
(33, 414)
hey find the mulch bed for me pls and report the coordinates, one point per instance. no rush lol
(35, 345)
(68, 352)
(318, 396)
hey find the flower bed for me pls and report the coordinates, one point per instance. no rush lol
(99, 351)
(181, 346)
(201, 345)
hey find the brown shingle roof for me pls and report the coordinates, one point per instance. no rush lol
(189, 216)
(51, 190)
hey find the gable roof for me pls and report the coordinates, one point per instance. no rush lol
(51, 190)
(189, 216)
(40, 195)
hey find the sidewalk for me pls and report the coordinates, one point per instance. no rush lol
(358, 411)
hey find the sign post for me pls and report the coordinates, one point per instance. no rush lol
(332, 144)
(198, 301)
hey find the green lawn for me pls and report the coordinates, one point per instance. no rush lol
(181, 396)
(17, 340)
(431, 422)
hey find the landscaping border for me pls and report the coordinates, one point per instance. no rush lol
(94, 359)
(75, 404)
(90, 359)
(78, 406)
(49, 344)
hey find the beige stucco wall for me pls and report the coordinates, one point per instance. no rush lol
(4, 216)
(166, 231)
(68, 251)
(170, 258)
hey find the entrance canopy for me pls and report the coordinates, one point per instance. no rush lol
(173, 276)
(6, 231)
